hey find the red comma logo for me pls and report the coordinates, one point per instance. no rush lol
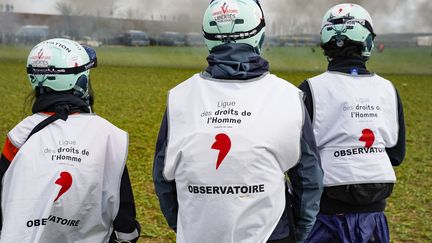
(65, 181)
(368, 137)
(223, 144)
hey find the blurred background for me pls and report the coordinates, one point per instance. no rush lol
(398, 23)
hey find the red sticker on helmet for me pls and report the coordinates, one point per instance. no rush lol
(40, 57)
(226, 12)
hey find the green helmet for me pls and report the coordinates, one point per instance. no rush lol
(60, 64)
(238, 21)
(348, 22)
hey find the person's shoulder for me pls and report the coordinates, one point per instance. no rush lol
(378, 77)
(29, 122)
(281, 82)
(379, 81)
(101, 122)
(187, 82)
(322, 76)
(20, 132)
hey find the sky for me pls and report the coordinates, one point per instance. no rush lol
(296, 16)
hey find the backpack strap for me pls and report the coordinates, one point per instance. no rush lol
(62, 112)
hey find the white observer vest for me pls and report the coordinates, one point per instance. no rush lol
(63, 185)
(229, 144)
(355, 119)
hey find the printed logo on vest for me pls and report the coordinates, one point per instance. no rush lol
(223, 144)
(65, 181)
(368, 137)
(53, 220)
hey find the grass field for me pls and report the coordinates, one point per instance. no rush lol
(131, 86)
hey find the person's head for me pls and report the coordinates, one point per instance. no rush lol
(346, 30)
(61, 66)
(234, 21)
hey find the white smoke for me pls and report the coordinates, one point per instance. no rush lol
(283, 16)
(33, 6)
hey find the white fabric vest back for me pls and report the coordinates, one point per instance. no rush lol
(63, 185)
(229, 144)
(355, 119)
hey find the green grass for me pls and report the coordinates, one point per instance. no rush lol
(392, 60)
(131, 86)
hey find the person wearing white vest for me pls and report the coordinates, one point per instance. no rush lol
(63, 171)
(229, 138)
(358, 122)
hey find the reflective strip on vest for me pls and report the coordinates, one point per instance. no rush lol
(355, 119)
(229, 145)
(63, 185)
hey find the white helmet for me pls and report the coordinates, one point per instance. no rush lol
(238, 21)
(348, 23)
(61, 64)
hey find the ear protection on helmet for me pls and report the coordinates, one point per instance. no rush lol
(92, 55)
(81, 88)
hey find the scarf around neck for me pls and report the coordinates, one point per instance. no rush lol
(236, 61)
(354, 65)
(60, 103)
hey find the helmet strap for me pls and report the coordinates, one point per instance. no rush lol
(52, 70)
(40, 85)
(233, 36)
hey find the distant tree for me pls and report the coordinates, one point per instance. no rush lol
(112, 5)
(70, 7)
(109, 8)
(424, 11)
(65, 8)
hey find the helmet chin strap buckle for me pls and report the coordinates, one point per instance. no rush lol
(41, 89)
(40, 85)
(339, 41)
